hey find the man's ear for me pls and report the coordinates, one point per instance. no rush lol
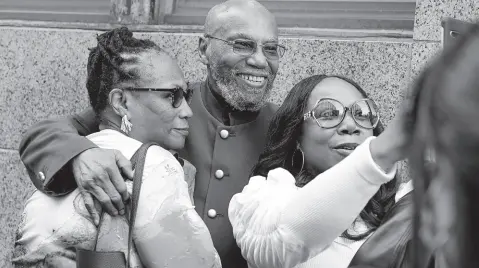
(117, 99)
(202, 47)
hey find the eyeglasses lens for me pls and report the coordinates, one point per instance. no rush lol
(330, 113)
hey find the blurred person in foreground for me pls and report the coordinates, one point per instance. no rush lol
(446, 130)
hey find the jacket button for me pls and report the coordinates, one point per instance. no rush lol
(219, 174)
(41, 175)
(224, 133)
(212, 213)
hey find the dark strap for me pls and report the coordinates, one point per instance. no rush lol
(99, 229)
(138, 163)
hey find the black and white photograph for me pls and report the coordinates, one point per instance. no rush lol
(239, 134)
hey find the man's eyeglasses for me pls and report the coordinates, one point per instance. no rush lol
(329, 113)
(177, 94)
(246, 47)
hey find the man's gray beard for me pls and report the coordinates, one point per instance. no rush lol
(239, 99)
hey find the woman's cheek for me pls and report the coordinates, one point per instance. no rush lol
(316, 149)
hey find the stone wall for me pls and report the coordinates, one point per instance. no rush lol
(43, 72)
(427, 26)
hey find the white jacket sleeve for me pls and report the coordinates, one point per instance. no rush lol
(277, 224)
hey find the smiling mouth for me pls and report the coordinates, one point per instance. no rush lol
(253, 80)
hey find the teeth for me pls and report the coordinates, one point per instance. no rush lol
(252, 78)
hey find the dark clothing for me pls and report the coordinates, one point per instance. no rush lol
(50, 145)
(234, 155)
(390, 245)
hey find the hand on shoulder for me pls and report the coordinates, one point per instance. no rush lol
(99, 173)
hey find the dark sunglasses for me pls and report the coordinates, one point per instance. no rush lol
(178, 94)
(246, 47)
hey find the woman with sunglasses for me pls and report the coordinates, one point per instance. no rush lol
(139, 93)
(323, 183)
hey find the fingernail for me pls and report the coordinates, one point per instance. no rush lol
(122, 211)
(115, 213)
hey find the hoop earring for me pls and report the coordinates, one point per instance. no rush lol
(294, 155)
(125, 124)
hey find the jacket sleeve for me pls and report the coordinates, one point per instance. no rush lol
(165, 214)
(277, 224)
(47, 148)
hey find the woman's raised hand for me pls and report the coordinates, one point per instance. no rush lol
(393, 144)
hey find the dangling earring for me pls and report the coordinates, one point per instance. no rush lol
(294, 155)
(125, 124)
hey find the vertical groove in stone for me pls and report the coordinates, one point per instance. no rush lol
(131, 11)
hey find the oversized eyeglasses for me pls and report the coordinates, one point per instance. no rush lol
(246, 47)
(329, 113)
(177, 94)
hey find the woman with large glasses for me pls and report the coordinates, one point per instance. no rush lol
(323, 183)
(139, 94)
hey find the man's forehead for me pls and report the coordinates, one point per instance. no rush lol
(251, 34)
(249, 20)
(246, 26)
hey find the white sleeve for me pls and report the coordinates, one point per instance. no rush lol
(167, 229)
(277, 224)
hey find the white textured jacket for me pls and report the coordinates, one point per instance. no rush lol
(167, 233)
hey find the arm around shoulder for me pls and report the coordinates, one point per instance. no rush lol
(47, 148)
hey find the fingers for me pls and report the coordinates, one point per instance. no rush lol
(104, 199)
(90, 206)
(98, 172)
(116, 190)
(124, 165)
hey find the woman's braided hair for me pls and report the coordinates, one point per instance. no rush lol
(112, 62)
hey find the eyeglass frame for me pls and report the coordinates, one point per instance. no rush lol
(171, 90)
(232, 42)
(310, 114)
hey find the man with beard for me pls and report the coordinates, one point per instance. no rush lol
(227, 132)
